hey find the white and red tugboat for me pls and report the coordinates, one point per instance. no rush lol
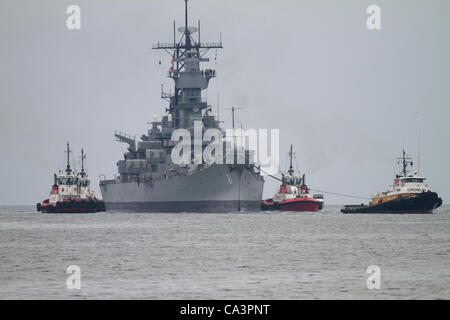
(71, 192)
(293, 194)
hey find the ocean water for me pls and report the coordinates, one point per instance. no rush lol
(264, 255)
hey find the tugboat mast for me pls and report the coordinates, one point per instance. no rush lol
(290, 153)
(68, 169)
(405, 163)
(83, 156)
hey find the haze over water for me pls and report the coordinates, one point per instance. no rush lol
(264, 255)
(348, 98)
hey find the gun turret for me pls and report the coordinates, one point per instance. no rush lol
(123, 137)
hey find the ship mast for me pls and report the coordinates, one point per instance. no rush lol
(290, 153)
(83, 156)
(186, 102)
(233, 109)
(187, 35)
(68, 169)
(405, 163)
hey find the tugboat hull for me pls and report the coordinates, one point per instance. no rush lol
(291, 205)
(74, 206)
(420, 203)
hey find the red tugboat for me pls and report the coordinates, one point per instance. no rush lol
(71, 193)
(293, 194)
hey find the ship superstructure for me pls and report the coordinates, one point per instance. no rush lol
(149, 180)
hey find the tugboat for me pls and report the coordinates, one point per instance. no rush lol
(71, 192)
(293, 194)
(408, 194)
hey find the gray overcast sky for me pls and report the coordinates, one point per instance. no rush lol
(349, 99)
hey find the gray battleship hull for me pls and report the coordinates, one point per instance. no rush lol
(214, 189)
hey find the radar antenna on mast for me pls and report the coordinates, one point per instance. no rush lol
(180, 48)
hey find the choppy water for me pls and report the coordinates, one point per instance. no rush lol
(224, 256)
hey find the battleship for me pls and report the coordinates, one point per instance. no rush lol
(149, 181)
